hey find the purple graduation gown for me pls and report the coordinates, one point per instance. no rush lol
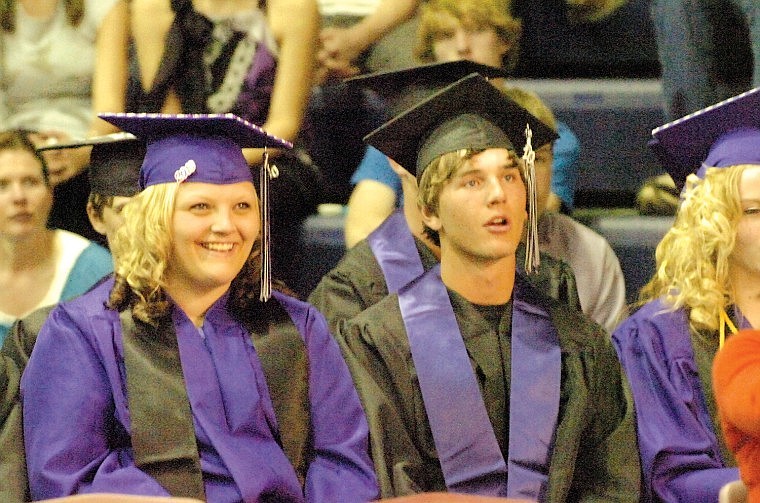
(77, 421)
(680, 453)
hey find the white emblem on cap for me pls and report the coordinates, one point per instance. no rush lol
(182, 173)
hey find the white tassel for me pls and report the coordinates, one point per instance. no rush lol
(267, 173)
(532, 257)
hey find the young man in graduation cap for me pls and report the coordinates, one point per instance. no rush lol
(177, 377)
(705, 288)
(397, 251)
(113, 173)
(472, 380)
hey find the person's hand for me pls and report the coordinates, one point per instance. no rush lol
(62, 164)
(339, 49)
(592, 11)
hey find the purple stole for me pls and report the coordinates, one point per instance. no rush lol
(236, 450)
(392, 243)
(467, 448)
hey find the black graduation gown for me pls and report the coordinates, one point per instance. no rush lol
(595, 456)
(14, 354)
(357, 282)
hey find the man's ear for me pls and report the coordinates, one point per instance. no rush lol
(430, 219)
(95, 220)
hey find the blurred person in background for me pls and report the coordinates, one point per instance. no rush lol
(57, 74)
(38, 266)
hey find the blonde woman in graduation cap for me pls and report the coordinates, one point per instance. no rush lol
(176, 377)
(707, 286)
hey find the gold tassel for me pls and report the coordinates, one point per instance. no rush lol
(725, 321)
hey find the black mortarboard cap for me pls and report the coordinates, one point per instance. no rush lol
(685, 144)
(401, 89)
(115, 161)
(470, 113)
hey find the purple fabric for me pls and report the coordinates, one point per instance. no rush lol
(467, 448)
(393, 245)
(740, 146)
(253, 101)
(534, 397)
(680, 454)
(229, 400)
(77, 419)
(215, 160)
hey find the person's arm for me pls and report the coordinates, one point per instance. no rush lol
(296, 38)
(611, 306)
(12, 460)
(679, 457)
(150, 21)
(17, 347)
(608, 467)
(341, 46)
(109, 82)
(374, 197)
(370, 203)
(592, 11)
(566, 152)
(341, 469)
(75, 442)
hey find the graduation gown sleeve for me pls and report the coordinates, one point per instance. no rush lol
(680, 454)
(73, 417)
(377, 352)
(341, 468)
(595, 456)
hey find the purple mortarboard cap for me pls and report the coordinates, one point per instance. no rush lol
(115, 161)
(194, 147)
(402, 89)
(470, 113)
(739, 146)
(724, 134)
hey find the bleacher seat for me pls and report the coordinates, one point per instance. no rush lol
(613, 120)
(633, 237)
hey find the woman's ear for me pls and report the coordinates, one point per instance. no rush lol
(95, 220)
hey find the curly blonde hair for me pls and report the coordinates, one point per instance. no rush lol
(141, 249)
(693, 256)
(471, 13)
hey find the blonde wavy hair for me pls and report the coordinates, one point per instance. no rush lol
(141, 249)
(472, 14)
(693, 256)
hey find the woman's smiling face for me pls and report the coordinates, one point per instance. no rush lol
(213, 230)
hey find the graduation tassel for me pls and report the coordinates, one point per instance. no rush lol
(725, 321)
(532, 258)
(267, 173)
